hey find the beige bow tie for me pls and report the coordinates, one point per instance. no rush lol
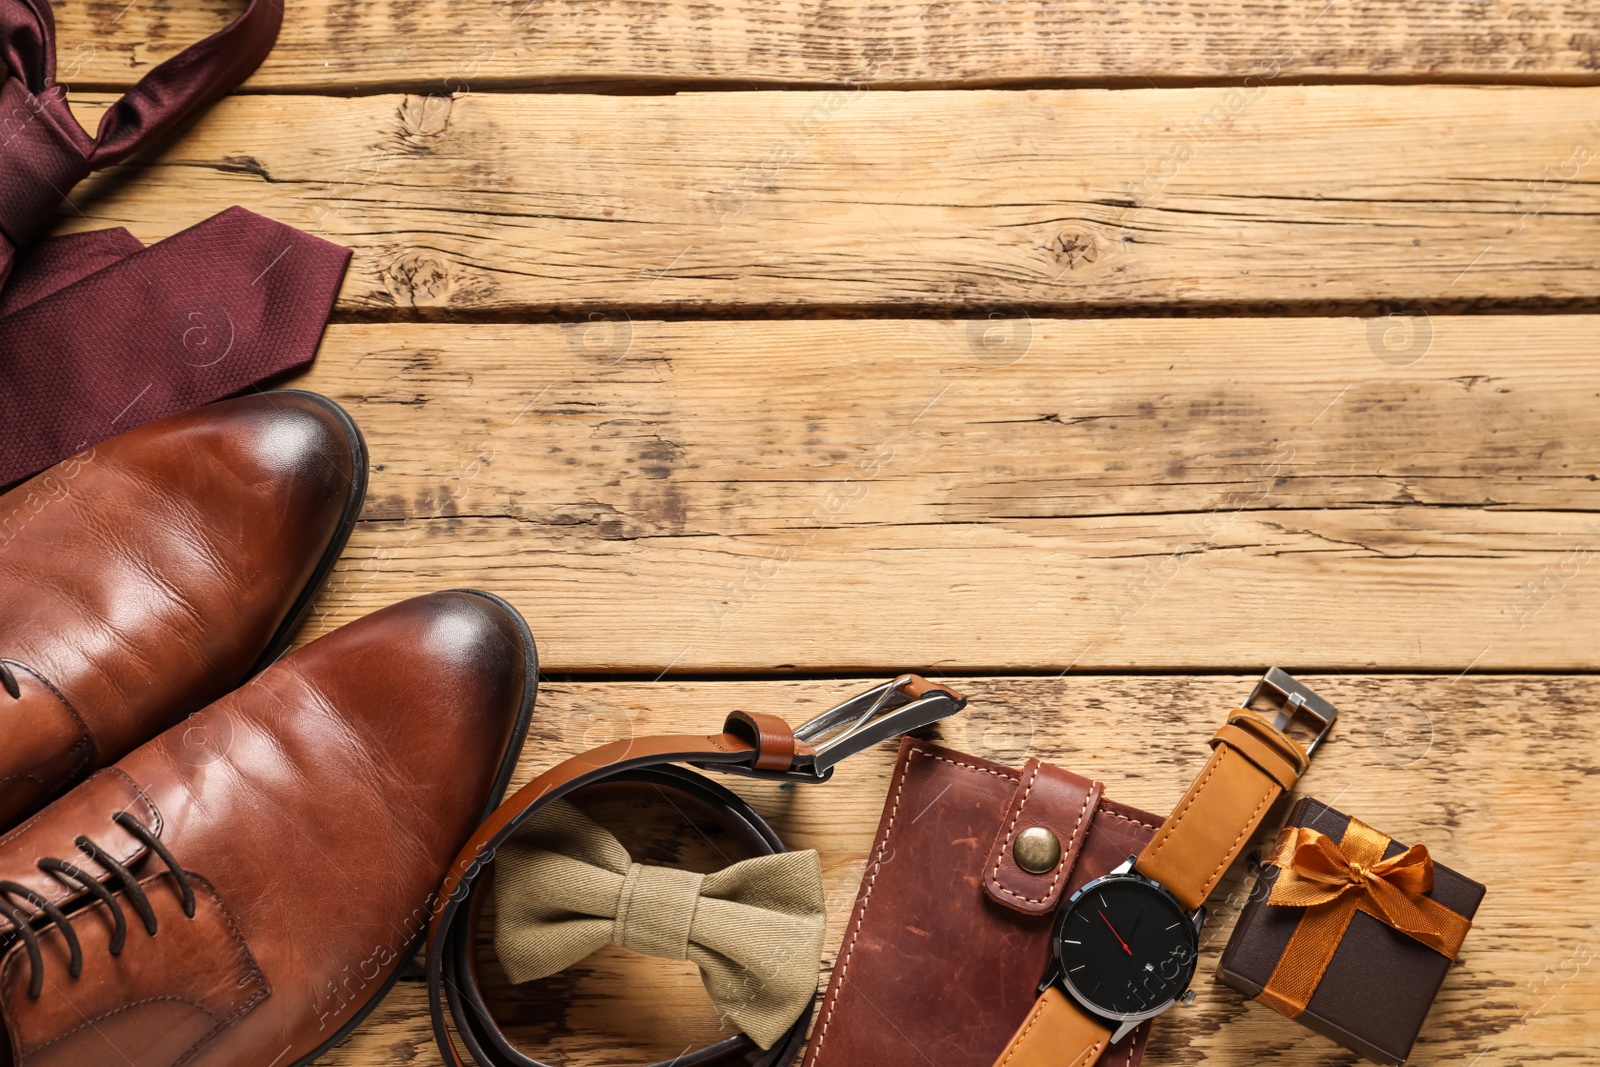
(564, 887)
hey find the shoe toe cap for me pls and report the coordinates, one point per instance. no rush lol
(298, 434)
(153, 572)
(442, 683)
(297, 454)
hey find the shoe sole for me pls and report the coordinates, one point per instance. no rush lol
(508, 764)
(284, 636)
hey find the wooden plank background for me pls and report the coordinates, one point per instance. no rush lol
(738, 496)
(1324, 198)
(341, 46)
(1092, 356)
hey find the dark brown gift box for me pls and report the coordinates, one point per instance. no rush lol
(1380, 984)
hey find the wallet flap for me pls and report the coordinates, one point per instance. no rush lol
(1049, 807)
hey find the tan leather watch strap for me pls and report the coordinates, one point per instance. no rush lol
(1055, 1034)
(1252, 763)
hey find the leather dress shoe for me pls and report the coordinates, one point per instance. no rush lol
(250, 900)
(145, 577)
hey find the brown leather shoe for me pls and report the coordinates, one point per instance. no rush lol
(145, 577)
(252, 905)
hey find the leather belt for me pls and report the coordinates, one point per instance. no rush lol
(752, 743)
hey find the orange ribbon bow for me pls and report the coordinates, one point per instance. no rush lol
(1333, 880)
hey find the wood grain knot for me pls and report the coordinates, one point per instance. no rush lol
(418, 279)
(424, 116)
(1073, 249)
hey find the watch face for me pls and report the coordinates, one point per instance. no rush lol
(1125, 946)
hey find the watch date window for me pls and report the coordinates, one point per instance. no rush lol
(1126, 948)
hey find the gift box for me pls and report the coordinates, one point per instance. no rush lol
(1350, 933)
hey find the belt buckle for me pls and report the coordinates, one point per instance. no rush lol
(1298, 700)
(896, 707)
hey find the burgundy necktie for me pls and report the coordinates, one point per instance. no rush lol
(98, 333)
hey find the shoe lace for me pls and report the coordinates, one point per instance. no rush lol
(69, 875)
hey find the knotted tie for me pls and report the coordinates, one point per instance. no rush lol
(98, 333)
(564, 887)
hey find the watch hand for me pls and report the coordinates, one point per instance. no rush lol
(1114, 933)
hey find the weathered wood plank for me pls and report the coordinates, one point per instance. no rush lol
(649, 427)
(338, 46)
(1303, 197)
(1492, 773)
(737, 496)
(1386, 588)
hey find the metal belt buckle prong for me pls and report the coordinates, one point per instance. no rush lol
(1297, 701)
(907, 703)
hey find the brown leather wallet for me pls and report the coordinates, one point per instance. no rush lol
(752, 744)
(951, 928)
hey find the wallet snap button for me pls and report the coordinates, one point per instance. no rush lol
(1036, 850)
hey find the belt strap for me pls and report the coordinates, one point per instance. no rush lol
(761, 746)
(486, 1044)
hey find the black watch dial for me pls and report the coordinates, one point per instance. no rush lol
(1126, 947)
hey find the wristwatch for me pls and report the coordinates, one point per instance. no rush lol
(1125, 945)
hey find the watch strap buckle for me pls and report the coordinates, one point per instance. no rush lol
(1295, 701)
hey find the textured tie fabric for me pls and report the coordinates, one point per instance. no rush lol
(98, 333)
(564, 887)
